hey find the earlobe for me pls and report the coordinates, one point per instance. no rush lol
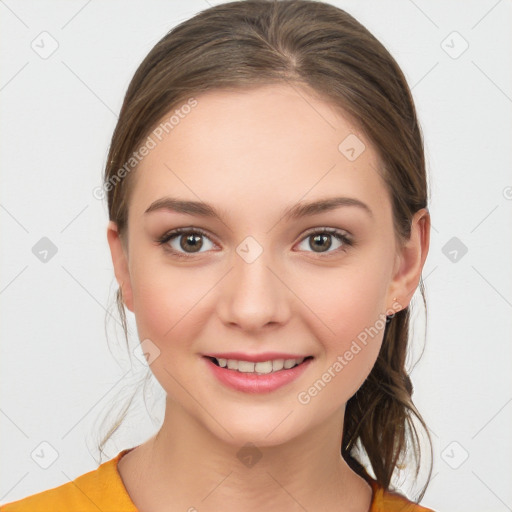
(120, 262)
(412, 259)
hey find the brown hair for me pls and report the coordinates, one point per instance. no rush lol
(246, 44)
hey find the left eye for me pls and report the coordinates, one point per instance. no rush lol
(322, 240)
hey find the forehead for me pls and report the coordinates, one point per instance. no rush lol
(273, 144)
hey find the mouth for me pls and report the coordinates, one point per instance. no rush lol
(269, 366)
(257, 373)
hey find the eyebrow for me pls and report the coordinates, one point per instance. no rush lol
(294, 212)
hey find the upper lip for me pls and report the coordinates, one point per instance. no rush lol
(256, 358)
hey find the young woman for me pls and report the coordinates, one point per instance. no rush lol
(268, 228)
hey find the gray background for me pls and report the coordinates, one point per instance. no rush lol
(65, 67)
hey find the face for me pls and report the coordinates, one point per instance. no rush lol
(251, 276)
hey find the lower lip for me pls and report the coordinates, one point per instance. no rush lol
(253, 383)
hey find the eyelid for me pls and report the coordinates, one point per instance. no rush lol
(326, 229)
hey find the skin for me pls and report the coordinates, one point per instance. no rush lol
(251, 154)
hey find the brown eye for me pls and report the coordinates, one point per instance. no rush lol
(321, 241)
(184, 241)
(192, 241)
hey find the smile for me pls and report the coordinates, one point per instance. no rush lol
(259, 368)
(256, 376)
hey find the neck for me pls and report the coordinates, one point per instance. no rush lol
(185, 466)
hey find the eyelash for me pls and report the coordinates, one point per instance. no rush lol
(336, 233)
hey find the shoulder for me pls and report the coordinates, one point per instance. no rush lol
(100, 489)
(392, 501)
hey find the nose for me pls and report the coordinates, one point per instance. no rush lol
(253, 295)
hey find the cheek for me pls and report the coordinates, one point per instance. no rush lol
(166, 301)
(345, 301)
(349, 324)
(170, 313)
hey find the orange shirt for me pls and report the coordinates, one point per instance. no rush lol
(103, 490)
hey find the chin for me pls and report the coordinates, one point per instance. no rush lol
(262, 426)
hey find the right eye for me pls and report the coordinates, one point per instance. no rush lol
(183, 239)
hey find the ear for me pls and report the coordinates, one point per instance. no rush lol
(119, 255)
(410, 260)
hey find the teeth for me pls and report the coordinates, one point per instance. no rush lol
(278, 364)
(260, 368)
(263, 367)
(244, 366)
